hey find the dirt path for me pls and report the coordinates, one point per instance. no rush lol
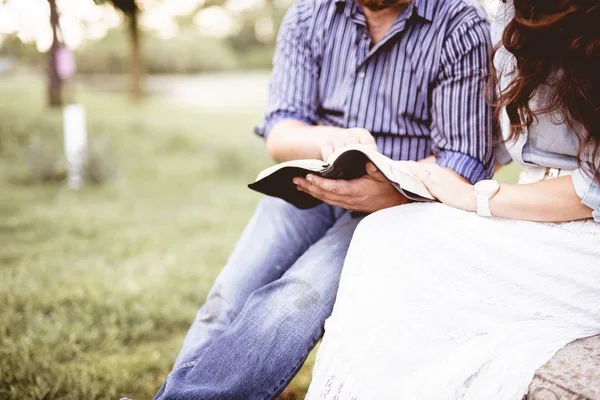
(215, 92)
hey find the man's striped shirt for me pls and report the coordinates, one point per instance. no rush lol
(419, 91)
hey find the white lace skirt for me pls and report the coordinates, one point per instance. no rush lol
(437, 303)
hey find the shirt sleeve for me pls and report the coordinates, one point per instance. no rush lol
(461, 116)
(293, 85)
(588, 189)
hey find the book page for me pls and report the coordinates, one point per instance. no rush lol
(408, 181)
(395, 172)
(392, 170)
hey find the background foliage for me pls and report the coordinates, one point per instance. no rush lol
(185, 53)
(189, 51)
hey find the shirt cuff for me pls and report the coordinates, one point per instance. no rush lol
(588, 190)
(274, 118)
(466, 166)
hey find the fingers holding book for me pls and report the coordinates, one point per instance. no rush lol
(368, 194)
(374, 173)
(340, 138)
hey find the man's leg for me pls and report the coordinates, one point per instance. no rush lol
(276, 236)
(262, 350)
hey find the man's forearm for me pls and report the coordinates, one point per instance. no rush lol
(293, 140)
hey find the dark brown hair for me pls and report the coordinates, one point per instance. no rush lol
(556, 42)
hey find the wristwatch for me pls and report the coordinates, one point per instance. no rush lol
(484, 191)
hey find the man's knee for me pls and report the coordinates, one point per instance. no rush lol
(219, 309)
(213, 310)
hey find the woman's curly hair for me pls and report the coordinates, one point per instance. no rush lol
(557, 42)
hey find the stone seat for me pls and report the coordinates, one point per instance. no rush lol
(572, 374)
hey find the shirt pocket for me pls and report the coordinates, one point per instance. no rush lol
(410, 99)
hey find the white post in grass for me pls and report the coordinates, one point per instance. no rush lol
(75, 137)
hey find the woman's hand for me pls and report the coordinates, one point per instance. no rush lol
(445, 185)
(372, 192)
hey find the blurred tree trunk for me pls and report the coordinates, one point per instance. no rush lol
(136, 66)
(54, 81)
(132, 12)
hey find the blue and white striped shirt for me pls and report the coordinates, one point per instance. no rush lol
(419, 91)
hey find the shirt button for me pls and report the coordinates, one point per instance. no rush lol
(361, 75)
(353, 119)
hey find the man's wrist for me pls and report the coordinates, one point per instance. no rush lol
(398, 199)
(392, 200)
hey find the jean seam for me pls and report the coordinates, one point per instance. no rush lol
(287, 378)
(294, 371)
(277, 387)
(180, 367)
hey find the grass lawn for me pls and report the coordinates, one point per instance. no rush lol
(98, 286)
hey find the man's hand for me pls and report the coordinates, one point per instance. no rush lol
(336, 138)
(368, 194)
(292, 140)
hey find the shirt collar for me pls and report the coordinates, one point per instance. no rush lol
(423, 8)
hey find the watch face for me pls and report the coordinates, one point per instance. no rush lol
(487, 187)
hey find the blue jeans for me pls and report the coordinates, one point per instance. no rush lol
(267, 308)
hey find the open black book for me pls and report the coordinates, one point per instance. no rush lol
(347, 163)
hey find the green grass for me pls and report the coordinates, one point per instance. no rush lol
(98, 286)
